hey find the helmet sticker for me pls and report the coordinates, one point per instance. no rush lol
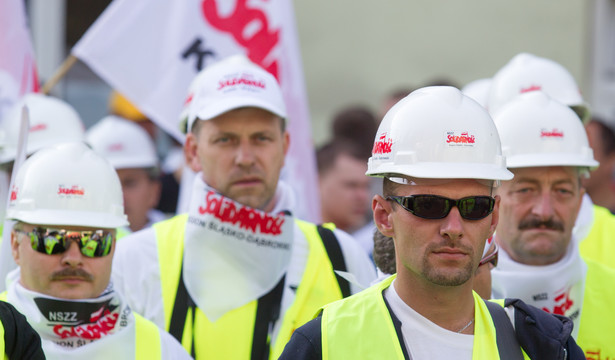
(73, 190)
(461, 138)
(555, 133)
(382, 145)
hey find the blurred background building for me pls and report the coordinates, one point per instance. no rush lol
(358, 51)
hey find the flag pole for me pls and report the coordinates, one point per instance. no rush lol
(59, 74)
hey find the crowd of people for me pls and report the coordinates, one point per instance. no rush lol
(464, 224)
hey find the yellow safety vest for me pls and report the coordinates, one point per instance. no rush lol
(121, 232)
(377, 334)
(597, 328)
(147, 334)
(147, 337)
(599, 244)
(231, 336)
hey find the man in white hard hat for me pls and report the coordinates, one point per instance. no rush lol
(546, 148)
(52, 121)
(527, 73)
(132, 153)
(66, 203)
(440, 156)
(236, 275)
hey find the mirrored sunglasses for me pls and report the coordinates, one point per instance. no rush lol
(48, 241)
(438, 207)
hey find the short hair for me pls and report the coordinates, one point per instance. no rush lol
(388, 187)
(355, 124)
(327, 155)
(384, 253)
(607, 134)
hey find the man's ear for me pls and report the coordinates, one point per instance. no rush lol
(495, 215)
(15, 246)
(190, 152)
(382, 215)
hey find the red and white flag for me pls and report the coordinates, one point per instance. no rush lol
(151, 50)
(17, 64)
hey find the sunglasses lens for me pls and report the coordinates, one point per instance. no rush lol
(438, 207)
(430, 207)
(475, 207)
(91, 243)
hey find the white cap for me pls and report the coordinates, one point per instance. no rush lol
(52, 121)
(438, 133)
(67, 184)
(478, 90)
(123, 143)
(526, 73)
(232, 83)
(537, 131)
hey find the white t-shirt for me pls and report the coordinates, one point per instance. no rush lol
(423, 338)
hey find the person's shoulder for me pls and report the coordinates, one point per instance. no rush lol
(305, 343)
(21, 341)
(542, 334)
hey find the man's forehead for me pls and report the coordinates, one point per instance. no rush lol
(539, 173)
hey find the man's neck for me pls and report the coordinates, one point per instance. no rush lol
(450, 307)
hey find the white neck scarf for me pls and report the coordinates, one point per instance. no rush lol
(557, 288)
(233, 254)
(70, 323)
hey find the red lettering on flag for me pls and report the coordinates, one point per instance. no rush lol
(258, 45)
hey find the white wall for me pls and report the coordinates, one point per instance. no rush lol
(355, 51)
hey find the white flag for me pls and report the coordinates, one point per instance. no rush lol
(17, 65)
(150, 50)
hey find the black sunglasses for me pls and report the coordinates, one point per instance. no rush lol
(92, 244)
(438, 207)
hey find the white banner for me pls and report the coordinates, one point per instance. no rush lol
(17, 65)
(150, 50)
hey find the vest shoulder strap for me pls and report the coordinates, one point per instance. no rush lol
(508, 346)
(336, 256)
(147, 335)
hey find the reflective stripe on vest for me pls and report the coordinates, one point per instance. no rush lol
(599, 244)
(596, 329)
(147, 339)
(230, 337)
(340, 331)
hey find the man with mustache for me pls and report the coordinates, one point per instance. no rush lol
(66, 203)
(238, 273)
(439, 154)
(547, 149)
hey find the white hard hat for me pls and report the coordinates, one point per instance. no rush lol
(67, 184)
(526, 73)
(538, 131)
(52, 121)
(478, 90)
(123, 143)
(437, 132)
(232, 83)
